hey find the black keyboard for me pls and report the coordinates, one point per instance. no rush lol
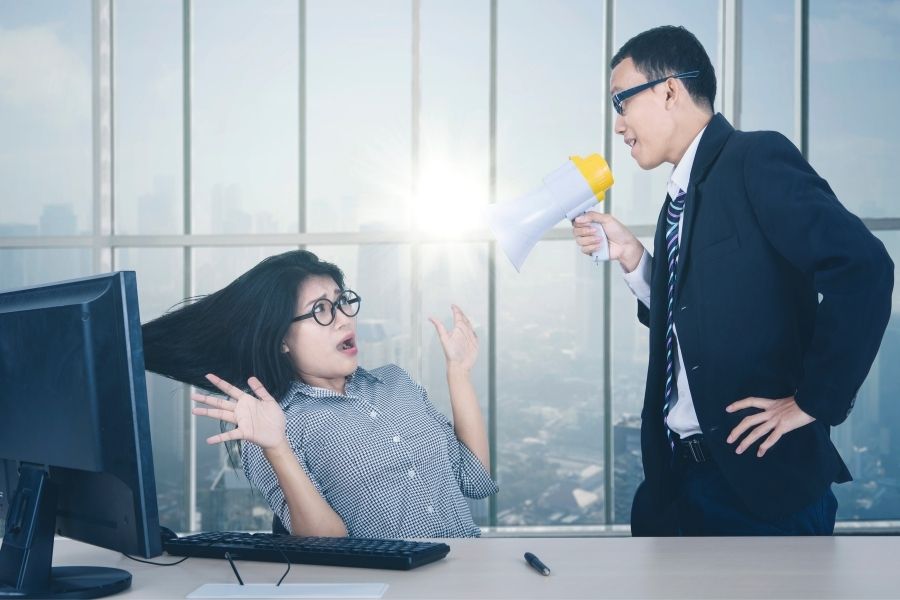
(343, 552)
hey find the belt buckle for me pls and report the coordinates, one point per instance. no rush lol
(696, 451)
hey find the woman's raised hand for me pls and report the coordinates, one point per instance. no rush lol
(258, 416)
(461, 344)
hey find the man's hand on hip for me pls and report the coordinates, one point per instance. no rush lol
(777, 418)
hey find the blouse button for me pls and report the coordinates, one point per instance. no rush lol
(396, 439)
(374, 414)
(411, 473)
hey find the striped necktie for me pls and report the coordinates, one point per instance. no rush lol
(673, 217)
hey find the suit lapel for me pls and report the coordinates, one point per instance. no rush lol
(711, 143)
(660, 272)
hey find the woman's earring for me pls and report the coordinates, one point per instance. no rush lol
(284, 348)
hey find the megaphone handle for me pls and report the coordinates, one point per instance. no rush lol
(602, 253)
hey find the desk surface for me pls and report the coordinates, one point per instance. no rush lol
(830, 567)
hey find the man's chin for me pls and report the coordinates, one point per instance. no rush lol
(645, 163)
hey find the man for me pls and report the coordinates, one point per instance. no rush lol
(766, 302)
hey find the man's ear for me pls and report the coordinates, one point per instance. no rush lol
(672, 90)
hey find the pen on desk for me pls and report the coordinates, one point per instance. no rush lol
(535, 563)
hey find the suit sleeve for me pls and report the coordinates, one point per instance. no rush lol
(643, 314)
(804, 221)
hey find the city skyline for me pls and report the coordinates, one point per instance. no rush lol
(369, 158)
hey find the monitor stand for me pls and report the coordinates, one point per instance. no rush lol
(27, 550)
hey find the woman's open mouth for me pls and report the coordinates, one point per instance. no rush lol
(348, 346)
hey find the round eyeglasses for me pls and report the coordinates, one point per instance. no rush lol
(324, 310)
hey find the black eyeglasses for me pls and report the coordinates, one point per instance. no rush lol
(624, 95)
(324, 310)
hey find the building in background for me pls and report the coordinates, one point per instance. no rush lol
(321, 129)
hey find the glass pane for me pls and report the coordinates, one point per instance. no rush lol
(853, 86)
(148, 117)
(457, 274)
(550, 104)
(454, 128)
(767, 69)
(638, 195)
(26, 266)
(45, 117)
(225, 499)
(245, 125)
(869, 441)
(629, 376)
(381, 275)
(550, 389)
(358, 119)
(160, 286)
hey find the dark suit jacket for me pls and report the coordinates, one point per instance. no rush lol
(763, 235)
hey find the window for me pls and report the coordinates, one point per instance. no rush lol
(373, 133)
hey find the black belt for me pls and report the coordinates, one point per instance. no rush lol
(691, 449)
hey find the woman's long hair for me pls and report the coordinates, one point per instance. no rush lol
(236, 332)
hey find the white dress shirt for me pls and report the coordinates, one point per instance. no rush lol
(682, 418)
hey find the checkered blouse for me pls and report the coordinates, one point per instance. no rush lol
(382, 456)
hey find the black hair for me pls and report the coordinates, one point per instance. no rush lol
(669, 50)
(237, 331)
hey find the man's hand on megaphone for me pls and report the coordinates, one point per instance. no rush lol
(623, 245)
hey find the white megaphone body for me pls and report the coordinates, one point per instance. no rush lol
(567, 192)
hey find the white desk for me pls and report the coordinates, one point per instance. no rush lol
(841, 567)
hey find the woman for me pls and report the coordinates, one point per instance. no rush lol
(336, 450)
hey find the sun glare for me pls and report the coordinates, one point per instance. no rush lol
(449, 201)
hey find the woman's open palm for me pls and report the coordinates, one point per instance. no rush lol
(258, 418)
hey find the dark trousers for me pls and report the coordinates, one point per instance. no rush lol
(706, 505)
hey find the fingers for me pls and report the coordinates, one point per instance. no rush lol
(592, 216)
(745, 424)
(224, 386)
(260, 390)
(441, 330)
(584, 231)
(234, 434)
(459, 315)
(214, 401)
(223, 409)
(584, 235)
(587, 239)
(214, 413)
(754, 435)
(460, 318)
(590, 248)
(778, 417)
(762, 403)
(770, 441)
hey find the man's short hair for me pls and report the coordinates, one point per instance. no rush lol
(669, 50)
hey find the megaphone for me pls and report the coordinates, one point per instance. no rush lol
(565, 193)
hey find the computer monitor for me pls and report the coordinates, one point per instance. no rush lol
(75, 454)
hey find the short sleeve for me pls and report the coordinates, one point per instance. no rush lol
(262, 476)
(472, 477)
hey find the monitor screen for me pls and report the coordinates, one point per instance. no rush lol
(74, 422)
